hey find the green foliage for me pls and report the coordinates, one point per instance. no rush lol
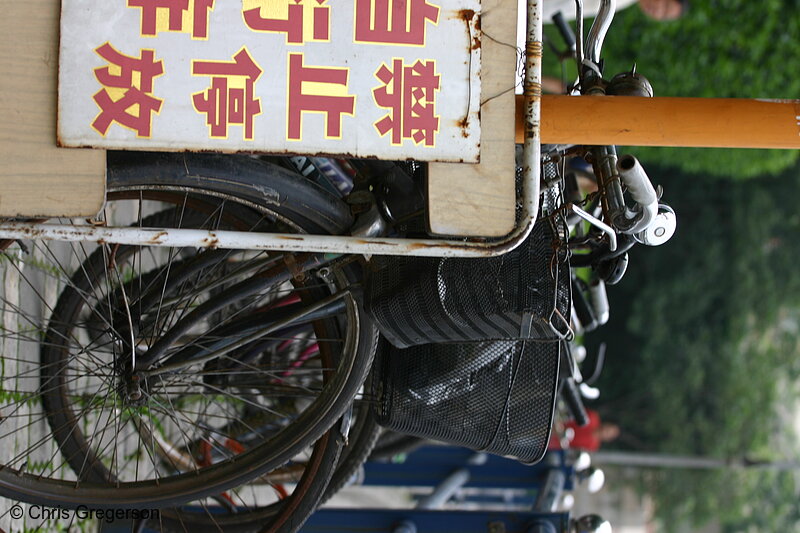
(720, 163)
(740, 500)
(703, 332)
(722, 49)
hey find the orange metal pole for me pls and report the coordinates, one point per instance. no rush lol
(661, 121)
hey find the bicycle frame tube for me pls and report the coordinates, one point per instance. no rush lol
(344, 244)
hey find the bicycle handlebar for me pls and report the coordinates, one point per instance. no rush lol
(597, 34)
(566, 32)
(642, 192)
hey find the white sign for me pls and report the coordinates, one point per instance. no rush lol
(393, 79)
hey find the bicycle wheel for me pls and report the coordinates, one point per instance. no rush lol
(99, 431)
(315, 477)
(310, 478)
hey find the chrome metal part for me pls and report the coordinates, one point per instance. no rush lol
(595, 481)
(599, 224)
(579, 33)
(597, 34)
(661, 229)
(590, 523)
(583, 461)
(589, 392)
(345, 425)
(371, 223)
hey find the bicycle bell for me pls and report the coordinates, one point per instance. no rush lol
(629, 84)
(661, 229)
(612, 270)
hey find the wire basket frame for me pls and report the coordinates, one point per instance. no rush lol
(496, 396)
(524, 294)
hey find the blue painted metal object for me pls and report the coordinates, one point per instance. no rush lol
(429, 465)
(428, 521)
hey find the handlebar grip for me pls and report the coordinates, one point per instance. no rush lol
(572, 398)
(642, 191)
(565, 30)
(599, 298)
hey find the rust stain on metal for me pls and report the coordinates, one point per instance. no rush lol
(380, 243)
(476, 38)
(531, 129)
(156, 239)
(472, 19)
(212, 241)
(467, 245)
(465, 14)
(463, 126)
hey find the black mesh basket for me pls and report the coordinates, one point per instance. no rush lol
(495, 396)
(523, 294)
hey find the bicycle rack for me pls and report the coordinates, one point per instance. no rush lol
(441, 467)
(343, 244)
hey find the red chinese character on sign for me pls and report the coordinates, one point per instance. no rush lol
(393, 21)
(293, 25)
(231, 97)
(332, 100)
(126, 97)
(409, 93)
(173, 11)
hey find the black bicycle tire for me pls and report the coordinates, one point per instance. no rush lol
(360, 444)
(262, 182)
(24, 487)
(304, 500)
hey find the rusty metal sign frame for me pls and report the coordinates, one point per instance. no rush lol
(340, 244)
